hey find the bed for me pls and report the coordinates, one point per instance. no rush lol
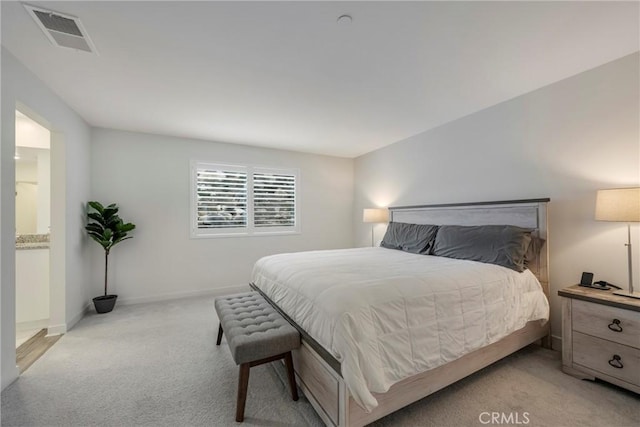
(383, 328)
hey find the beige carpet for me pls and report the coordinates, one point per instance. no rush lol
(157, 365)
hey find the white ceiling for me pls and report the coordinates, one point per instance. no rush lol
(286, 75)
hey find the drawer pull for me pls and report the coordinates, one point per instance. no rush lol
(615, 326)
(616, 362)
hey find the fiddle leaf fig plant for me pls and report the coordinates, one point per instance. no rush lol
(107, 228)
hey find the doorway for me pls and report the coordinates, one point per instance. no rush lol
(33, 206)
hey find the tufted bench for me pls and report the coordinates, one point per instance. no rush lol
(256, 334)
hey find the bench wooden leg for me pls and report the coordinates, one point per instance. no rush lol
(288, 361)
(243, 385)
(219, 334)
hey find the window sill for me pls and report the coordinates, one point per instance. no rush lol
(244, 235)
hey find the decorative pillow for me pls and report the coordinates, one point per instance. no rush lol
(534, 249)
(414, 238)
(503, 245)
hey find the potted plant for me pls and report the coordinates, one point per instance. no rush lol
(108, 229)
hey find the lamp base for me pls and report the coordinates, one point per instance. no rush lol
(623, 293)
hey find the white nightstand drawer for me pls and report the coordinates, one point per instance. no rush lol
(616, 360)
(611, 323)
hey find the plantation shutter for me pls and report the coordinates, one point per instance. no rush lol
(243, 200)
(274, 200)
(221, 198)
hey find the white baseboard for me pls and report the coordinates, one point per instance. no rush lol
(215, 292)
(75, 319)
(63, 328)
(59, 329)
(227, 290)
(32, 324)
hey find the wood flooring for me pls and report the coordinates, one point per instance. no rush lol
(33, 348)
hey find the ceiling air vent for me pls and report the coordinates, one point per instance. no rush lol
(62, 30)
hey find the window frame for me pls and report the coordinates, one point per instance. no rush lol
(250, 229)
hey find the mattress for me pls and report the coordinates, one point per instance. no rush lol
(387, 314)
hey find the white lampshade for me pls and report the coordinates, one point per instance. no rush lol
(375, 215)
(618, 204)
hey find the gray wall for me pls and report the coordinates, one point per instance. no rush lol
(149, 177)
(563, 141)
(70, 188)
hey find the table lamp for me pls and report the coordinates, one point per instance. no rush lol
(621, 205)
(375, 215)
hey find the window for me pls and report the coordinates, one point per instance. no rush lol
(222, 198)
(243, 200)
(274, 200)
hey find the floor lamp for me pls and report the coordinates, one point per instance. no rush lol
(621, 205)
(375, 215)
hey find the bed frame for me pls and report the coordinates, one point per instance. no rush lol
(318, 373)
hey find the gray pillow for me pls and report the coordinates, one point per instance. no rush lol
(503, 245)
(414, 238)
(533, 250)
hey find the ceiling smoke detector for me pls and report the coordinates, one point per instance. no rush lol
(62, 30)
(344, 19)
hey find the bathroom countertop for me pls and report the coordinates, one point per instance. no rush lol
(32, 241)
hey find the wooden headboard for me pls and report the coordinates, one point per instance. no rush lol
(521, 213)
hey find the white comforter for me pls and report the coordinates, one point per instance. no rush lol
(387, 314)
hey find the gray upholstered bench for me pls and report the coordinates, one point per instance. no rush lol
(256, 334)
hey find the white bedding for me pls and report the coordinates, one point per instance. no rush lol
(387, 314)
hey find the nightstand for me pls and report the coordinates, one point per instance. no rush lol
(601, 336)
